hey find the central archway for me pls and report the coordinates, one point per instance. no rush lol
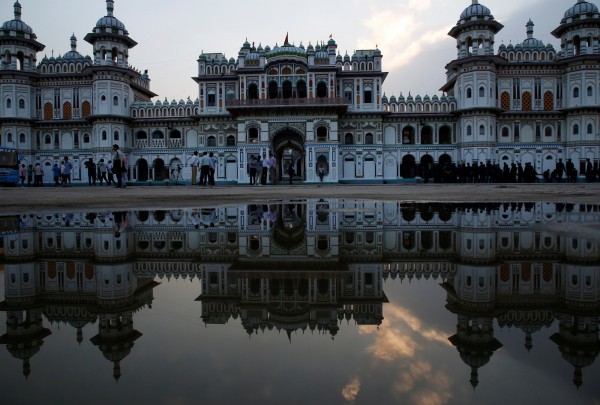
(288, 147)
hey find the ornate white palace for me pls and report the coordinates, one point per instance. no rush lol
(310, 105)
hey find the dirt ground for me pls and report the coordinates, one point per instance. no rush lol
(83, 198)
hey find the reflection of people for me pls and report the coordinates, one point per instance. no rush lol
(120, 218)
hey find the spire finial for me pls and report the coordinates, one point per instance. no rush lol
(530, 26)
(17, 11)
(73, 43)
(475, 3)
(110, 7)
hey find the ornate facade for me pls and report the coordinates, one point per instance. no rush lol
(310, 105)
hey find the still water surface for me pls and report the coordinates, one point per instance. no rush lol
(319, 301)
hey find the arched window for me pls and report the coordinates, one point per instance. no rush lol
(349, 139)
(301, 89)
(590, 129)
(590, 91)
(253, 135)
(321, 90)
(286, 89)
(576, 92)
(104, 135)
(231, 140)
(47, 139)
(8, 103)
(322, 134)
(482, 91)
(21, 104)
(9, 137)
(103, 98)
(505, 132)
(211, 141)
(469, 93)
(369, 139)
(548, 132)
(481, 130)
(252, 91)
(575, 129)
(469, 130)
(116, 135)
(116, 101)
(273, 90)
(86, 138)
(21, 138)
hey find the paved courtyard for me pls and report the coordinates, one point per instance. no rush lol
(82, 198)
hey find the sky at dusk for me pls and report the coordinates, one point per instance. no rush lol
(411, 34)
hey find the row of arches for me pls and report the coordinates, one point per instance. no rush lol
(519, 56)
(412, 107)
(355, 66)
(166, 112)
(222, 70)
(66, 67)
(287, 90)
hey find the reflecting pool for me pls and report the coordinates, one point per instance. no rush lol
(312, 301)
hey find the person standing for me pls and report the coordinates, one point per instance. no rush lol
(91, 169)
(258, 166)
(560, 170)
(272, 169)
(29, 175)
(66, 172)
(102, 169)
(570, 168)
(204, 169)
(589, 170)
(194, 162)
(291, 172)
(118, 165)
(56, 174)
(212, 169)
(109, 173)
(252, 169)
(22, 174)
(265, 170)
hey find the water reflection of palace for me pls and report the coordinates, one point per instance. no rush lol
(299, 266)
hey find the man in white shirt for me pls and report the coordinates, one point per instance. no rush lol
(194, 162)
(204, 169)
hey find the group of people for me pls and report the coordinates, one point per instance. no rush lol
(263, 168)
(207, 163)
(113, 172)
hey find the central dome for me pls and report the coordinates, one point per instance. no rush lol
(17, 24)
(287, 50)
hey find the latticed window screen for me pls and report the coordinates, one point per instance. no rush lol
(527, 101)
(505, 101)
(48, 112)
(86, 109)
(548, 101)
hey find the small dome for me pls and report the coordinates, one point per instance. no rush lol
(110, 21)
(331, 42)
(581, 8)
(16, 24)
(476, 10)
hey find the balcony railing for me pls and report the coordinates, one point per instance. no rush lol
(289, 102)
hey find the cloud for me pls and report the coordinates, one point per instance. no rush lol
(351, 390)
(402, 32)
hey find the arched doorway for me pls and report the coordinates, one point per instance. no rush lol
(160, 172)
(426, 167)
(288, 146)
(408, 168)
(142, 170)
